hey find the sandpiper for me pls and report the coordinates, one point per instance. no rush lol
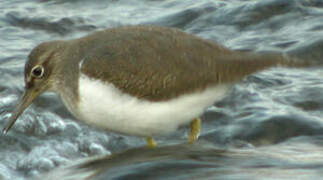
(138, 80)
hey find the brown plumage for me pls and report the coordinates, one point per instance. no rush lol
(148, 62)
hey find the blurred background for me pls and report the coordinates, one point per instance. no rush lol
(269, 126)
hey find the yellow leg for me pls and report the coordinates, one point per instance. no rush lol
(195, 130)
(151, 143)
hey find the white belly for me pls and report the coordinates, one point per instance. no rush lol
(104, 106)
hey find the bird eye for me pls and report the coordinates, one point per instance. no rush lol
(37, 71)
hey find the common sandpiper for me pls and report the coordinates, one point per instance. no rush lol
(138, 80)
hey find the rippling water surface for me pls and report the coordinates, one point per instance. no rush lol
(269, 126)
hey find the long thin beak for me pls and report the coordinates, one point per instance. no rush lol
(26, 99)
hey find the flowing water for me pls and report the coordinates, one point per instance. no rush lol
(269, 126)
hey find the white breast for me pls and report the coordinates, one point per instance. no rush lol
(105, 106)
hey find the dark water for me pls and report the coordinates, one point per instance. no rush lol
(270, 126)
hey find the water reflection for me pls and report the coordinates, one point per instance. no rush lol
(299, 157)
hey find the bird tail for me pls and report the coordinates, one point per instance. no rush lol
(234, 67)
(295, 62)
